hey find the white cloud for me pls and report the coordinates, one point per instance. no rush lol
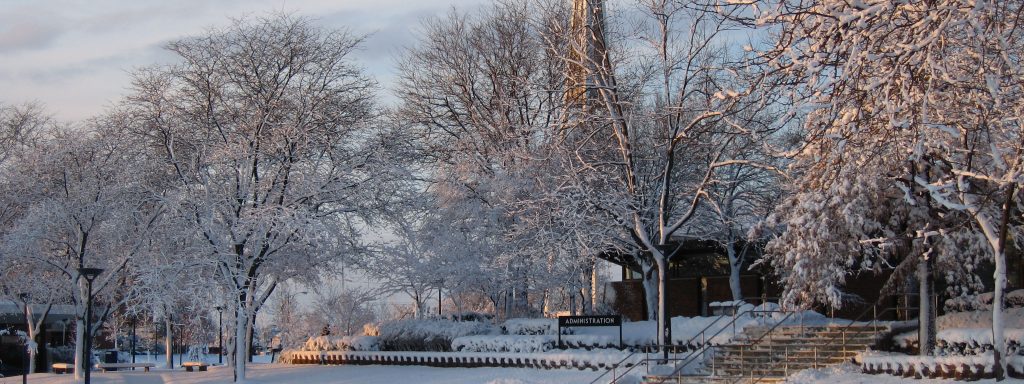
(75, 56)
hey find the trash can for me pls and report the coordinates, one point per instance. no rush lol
(110, 357)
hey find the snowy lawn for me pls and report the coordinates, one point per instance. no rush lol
(350, 374)
(342, 374)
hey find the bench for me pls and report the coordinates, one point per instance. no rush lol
(190, 365)
(115, 366)
(62, 368)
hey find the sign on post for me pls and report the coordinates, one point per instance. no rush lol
(589, 321)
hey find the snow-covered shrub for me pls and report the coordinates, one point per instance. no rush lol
(533, 344)
(532, 327)
(471, 316)
(62, 353)
(371, 329)
(504, 343)
(983, 301)
(342, 343)
(428, 335)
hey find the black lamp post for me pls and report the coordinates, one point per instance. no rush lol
(89, 274)
(220, 334)
(134, 320)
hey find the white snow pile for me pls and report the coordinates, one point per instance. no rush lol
(342, 343)
(427, 334)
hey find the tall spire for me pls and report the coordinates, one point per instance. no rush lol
(588, 56)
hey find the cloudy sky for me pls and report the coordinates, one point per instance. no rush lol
(74, 56)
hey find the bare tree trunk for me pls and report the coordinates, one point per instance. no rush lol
(168, 343)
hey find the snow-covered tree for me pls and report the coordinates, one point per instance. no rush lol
(939, 80)
(662, 112)
(263, 129)
(87, 204)
(345, 308)
(482, 92)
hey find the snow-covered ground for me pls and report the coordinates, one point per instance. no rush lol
(345, 374)
(850, 374)
(350, 374)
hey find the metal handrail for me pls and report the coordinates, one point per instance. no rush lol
(842, 332)
(702, 333)
(692, 356)
(763, 299)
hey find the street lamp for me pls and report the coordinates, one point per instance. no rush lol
(89, 274)
(220, 334)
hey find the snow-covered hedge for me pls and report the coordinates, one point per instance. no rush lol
(966, 341)
(970, 333)
(983, 301)
(428, 335)
(342, 343)
(961, 367)
(562, 359)
(504, 343)
(533, 344)
(531, 327)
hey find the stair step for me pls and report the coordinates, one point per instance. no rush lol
(656, 379)
(762, 357)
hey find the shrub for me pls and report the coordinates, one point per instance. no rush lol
(342, 343)
(428, 335)
(532, 327)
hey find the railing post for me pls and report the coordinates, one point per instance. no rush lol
(874, 315)
(785, 366)
(844, 343)
(714, 357)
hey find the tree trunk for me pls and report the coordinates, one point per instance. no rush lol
(168, 340)
(241, 347)
(34, 327)
(927, 331)
(664, 333)
(593, 285)
(250, 332)
(650, 283)
(734, 269)
(998, 342)
(81, 364)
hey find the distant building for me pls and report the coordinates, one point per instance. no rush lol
(57, 332)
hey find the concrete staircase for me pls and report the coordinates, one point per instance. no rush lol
(765, 357)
